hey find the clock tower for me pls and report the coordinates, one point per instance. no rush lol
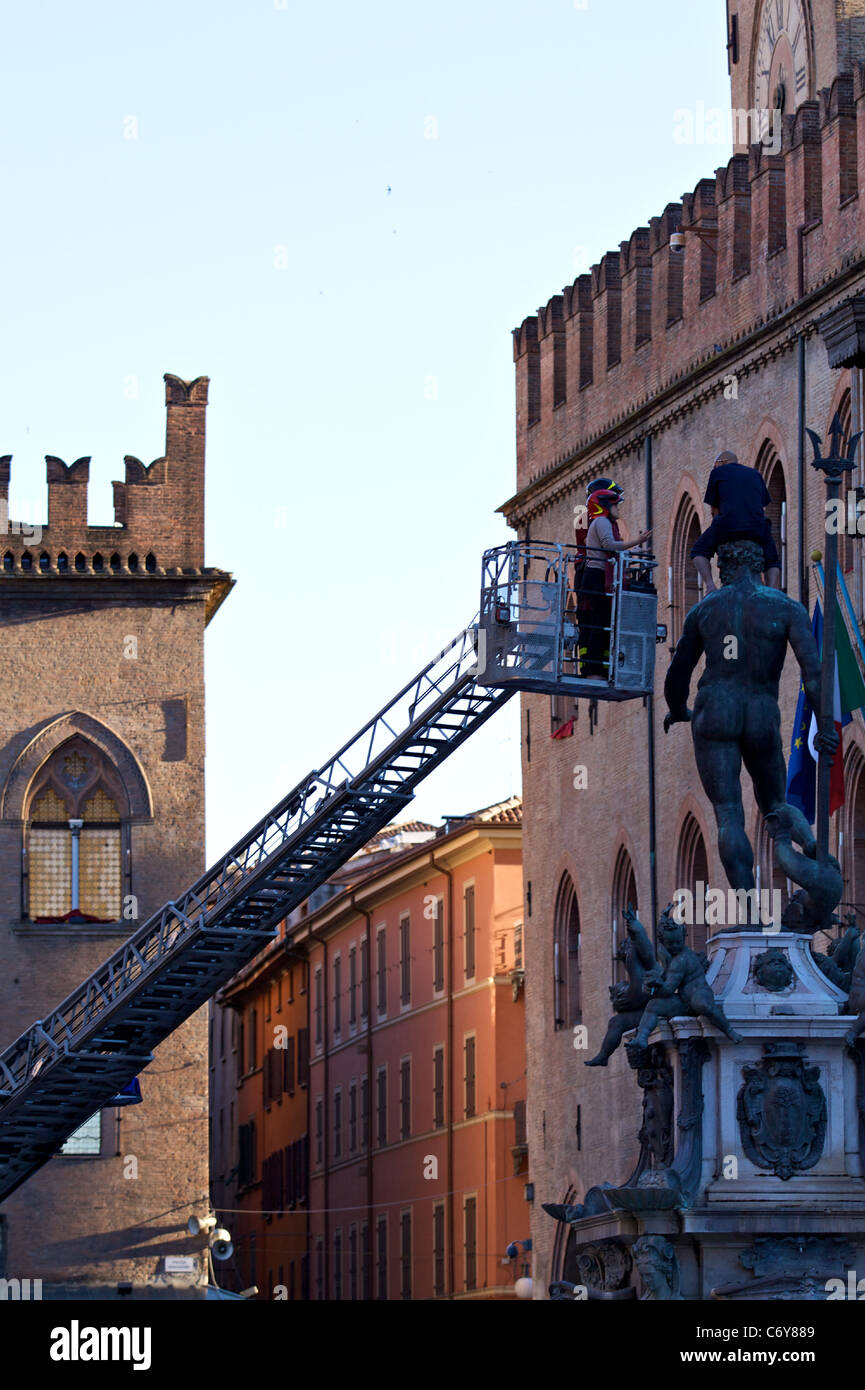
(783, 52)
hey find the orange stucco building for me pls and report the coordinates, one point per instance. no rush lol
(418, 1166)
(396, 1166)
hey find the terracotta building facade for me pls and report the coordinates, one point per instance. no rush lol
(102, 794)
(705, 330)
(414, 1077)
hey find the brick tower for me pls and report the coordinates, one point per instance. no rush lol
(101, 821)
(642, 371)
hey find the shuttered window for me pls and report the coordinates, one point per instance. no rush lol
(439, 946)
(364, 978)
(469, 910)
(337, 1124)
(439, 1087)
(337, 997)
(405, 1254)
(381, 971)
(405, 1098)
(405, 960)
(381, 1107)
(352, 1262)
(364, 1111)
(470, 1084)
(381, 1257)
(318, 1008)
(439, 1249)
(470, 1212)
(352, 986)
(352, 1117)
(365, 1262)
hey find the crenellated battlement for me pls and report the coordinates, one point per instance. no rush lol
(771, 227)
(158, 508)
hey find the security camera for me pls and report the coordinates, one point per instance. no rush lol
(220, 1246)
(677, 242)
(200, 1225)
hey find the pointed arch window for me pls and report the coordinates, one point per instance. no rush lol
(772, 470)
(76, 838)
(567, 991)
(852, 854)
(684, 587)
(624, 892)
(692, 874)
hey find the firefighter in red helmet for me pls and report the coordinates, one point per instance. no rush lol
(595, 608)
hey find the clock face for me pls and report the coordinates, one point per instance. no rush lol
(782, 68)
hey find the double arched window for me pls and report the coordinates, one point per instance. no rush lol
(76, 837)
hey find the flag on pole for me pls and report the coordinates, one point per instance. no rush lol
(849, 695)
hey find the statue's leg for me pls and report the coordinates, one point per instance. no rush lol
(854, 1031)
(664, 1007)
(715, 1014)
(616, 1030)
(719, 764)
(763, 756)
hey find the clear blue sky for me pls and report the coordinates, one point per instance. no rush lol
(361, 426)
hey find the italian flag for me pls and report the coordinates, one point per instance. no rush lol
(849, 695)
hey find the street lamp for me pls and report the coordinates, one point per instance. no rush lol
(834, 465)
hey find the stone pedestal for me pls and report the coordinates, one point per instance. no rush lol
(764, 1196)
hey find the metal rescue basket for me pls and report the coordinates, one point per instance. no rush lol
(532, 625)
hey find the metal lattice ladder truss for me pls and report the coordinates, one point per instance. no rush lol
(74, 1061)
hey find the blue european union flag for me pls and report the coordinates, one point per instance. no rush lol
(802, 769)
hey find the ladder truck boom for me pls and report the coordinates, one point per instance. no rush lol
(74, 1061)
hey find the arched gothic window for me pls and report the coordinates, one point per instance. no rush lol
(567, 1000)
(76, 838)
(772, 469)
(624, 892)
(692, 874)
(684, 588)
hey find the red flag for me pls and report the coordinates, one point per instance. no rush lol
(564, 730)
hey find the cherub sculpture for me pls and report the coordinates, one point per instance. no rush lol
(629, 998)
(838, 964)
(679, 987)
(857, 999)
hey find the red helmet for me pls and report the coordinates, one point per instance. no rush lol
(600, 502)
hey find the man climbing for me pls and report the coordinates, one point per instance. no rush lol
(737, 496)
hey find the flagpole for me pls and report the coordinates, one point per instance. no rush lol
(826, 718)
(833, 466)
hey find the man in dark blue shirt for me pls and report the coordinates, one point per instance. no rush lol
(737, 496)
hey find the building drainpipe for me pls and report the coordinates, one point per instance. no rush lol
(313, 936)
(293, 955)
(800, 476)
(650, 725)
(449, 1074)
(800, 447)
(369, 1092)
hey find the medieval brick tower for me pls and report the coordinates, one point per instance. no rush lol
(101, 821)
(713, 326)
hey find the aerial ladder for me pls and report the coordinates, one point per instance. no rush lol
(82, 1055)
